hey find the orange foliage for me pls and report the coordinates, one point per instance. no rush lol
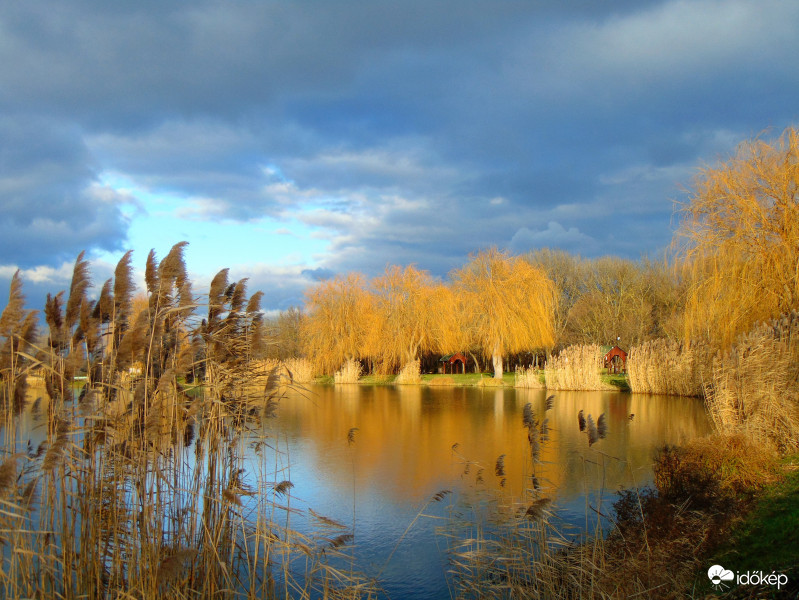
(412, 316)
(507, 303)
(742, 231)
(340, 322)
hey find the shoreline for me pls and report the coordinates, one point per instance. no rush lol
(616, 382)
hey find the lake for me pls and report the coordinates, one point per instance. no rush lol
(372, 457)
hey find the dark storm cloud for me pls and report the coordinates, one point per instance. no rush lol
(51, 206)
(402, 132)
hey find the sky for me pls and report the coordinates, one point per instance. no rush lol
(293, 140)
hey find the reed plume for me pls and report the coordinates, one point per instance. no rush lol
(172, 566)
(351, 436)
(123, 288)
(54, 317)
(283, 487)
(77, 291)
(8, 475)
(14, 311)
(440, 495)
(499, 467)
(537, 508)
(104, 308)
(593, 432)
(602, 426)
(216, 297)
(151, 273)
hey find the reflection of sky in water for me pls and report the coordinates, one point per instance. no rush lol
(413, 442)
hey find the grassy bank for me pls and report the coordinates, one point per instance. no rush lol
(433, 379)
(618, 381)
(766, 538)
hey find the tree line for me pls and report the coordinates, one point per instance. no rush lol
(495, 306)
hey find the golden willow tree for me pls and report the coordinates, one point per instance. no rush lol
(340, 322)
(414, 315)
(507, 305)
(741, 226)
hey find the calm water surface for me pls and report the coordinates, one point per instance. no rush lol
(412, 442)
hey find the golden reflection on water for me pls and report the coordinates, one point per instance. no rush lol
(412, 441)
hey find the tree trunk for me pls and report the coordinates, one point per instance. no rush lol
(496, 358)
(476, 364)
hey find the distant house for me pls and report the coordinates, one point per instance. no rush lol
(615, 360)
(451, 363)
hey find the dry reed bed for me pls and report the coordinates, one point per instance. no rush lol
(300, 370)
(755, 387)
(140, 488)
(350, 372)
(410, 373)
(528, 378)
(576, 368)
(667, 367)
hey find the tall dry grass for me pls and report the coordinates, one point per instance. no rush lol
(300, 369)
(577, 367)
(350, 372)
(529, 378)
(667, 367)
(140, 488)
(410, 373)
(755, 386)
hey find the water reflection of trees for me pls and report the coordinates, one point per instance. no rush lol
(406, 435)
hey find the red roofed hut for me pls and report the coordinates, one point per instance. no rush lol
(616, 360)
(451, 362)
